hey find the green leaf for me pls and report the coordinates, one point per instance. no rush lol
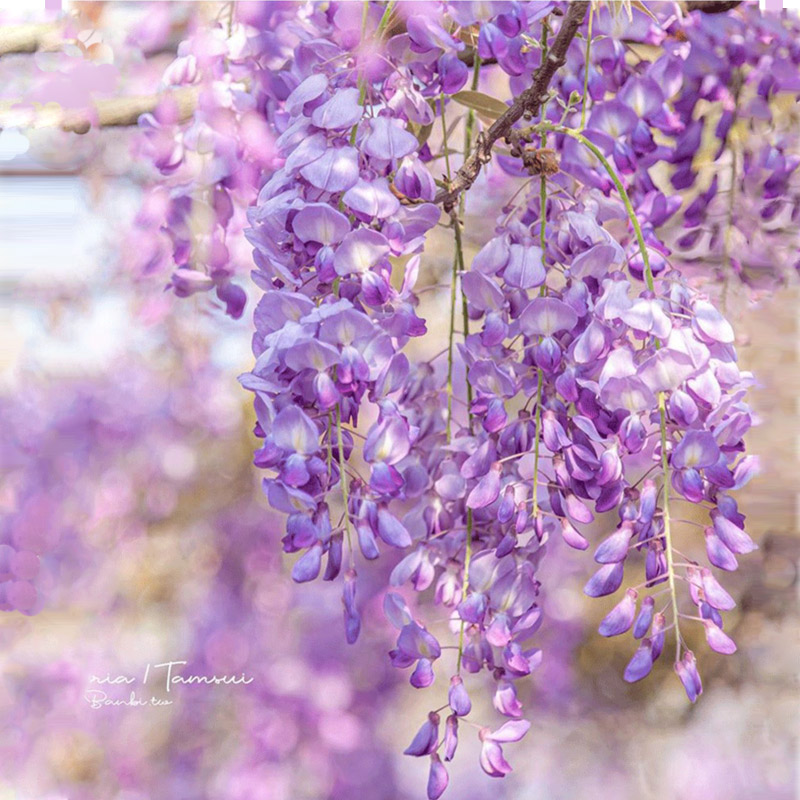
(423, 134)
(486, 107)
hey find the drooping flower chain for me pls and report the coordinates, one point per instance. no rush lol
(620, 374)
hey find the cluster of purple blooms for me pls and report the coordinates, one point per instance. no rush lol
(113, 461)
(600, 376)
(207, 172)
(595, 372)
(720, 85)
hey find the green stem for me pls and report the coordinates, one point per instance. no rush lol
(387, 12)
(537, 432)
(537, 426)
(662, 410)
(468, 131)
(453, 282)
(620, 188)
(543, 177)
(586, 69)
(465, 587)
(343, 479)
(330, 446)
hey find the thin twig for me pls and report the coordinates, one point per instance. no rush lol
(528, 102)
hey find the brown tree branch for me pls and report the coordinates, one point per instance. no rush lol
(528, 102)
(712, 6)
(117, 112)
(112, 112)
(29, 38)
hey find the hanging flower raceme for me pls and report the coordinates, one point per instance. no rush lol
(596, 378)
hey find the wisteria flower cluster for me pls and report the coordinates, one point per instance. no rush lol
(639, 156)
(598, 380)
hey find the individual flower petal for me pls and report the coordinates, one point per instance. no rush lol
(294, 431)
(359, 251)
(731, 535)
(525, 268)
(492, 761)
(709, 324)
(342, 110)
(387, 441)
(648, 316)
(717, 640)
(511, 731)
(620, 618)
(615, 547)
(307, 567)
(545, 316)
(387, 139)
(458, 698)
(336, 170)
(690, 678)
(486, 491)
(505, 699)
(391, 530)
(371, 198)
(481, 291)
(416, 642)
(642, 662)
(606, 580)
(437, 778)
(571, 535)
(450, 737)
(645, 618)
(318, 222)
(426, 737)
(309, 89)
(717, 597)
(423, 674)
(696, 449)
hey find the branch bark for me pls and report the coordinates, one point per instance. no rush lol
(117, 112)
(29, 38)
(712, 6)
(114, 112)
(528, 102)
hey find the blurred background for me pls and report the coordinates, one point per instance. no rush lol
(126, 463)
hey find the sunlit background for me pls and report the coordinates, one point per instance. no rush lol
(126, 447)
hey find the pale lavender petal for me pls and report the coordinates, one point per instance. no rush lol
(372, 198)
(387, 139)
(437, 778)
(318, 222)
(342, 110)
(294, 431)
(732, 536)
(545, 316)
(391, 530)
(525, 269)
(336, 170)
(716, 596)
(718, 640)
(359, 251)
(710, 325)
(511, 731)
(458, 698)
